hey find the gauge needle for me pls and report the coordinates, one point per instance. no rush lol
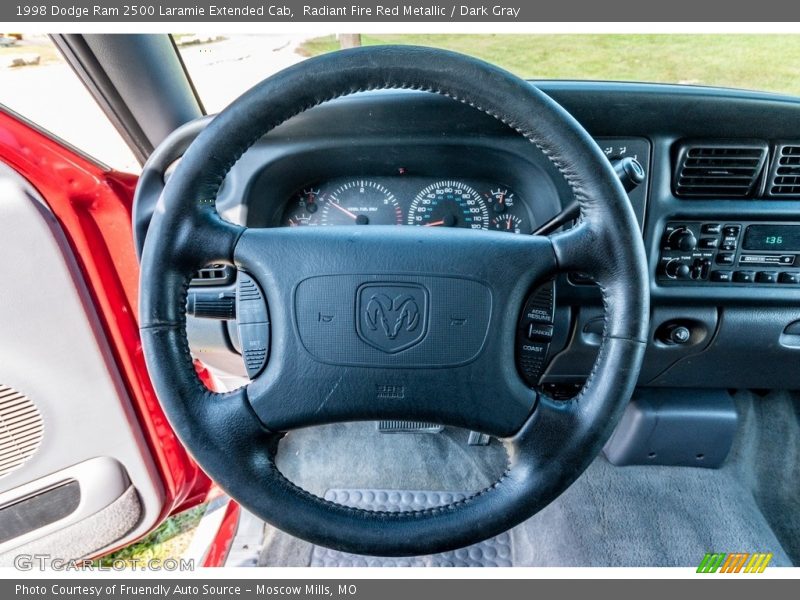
(434, 223)
(344, 210)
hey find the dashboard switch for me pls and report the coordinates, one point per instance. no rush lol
(539, 332)
(674, 333)
(721, 276)
(535, 332)
(767, 277)
(252, 319)
(744, 277)
(676, 269)
(682, 239)
(630, 172)
(724, 258)
(731, 231)
(680, 334)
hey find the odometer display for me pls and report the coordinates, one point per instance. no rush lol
(449, 204)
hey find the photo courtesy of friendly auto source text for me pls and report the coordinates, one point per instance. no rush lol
(347, 299)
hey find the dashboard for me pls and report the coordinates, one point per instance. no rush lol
(719, 209)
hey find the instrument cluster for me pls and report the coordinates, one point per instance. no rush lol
(404, 200)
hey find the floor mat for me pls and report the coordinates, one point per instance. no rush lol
(611, 516)
(646, 516)
(495, 552)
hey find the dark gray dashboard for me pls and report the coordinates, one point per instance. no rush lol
(703, 333)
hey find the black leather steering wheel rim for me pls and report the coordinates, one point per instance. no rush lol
(234, 436)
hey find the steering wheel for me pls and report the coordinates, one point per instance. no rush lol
(383, 322)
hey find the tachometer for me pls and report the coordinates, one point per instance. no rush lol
(449, 204)
(361, 202)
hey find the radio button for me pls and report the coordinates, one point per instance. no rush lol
(708, 242)
(721, 276)
(724, 258)
(766, 277)
(790, 277)
(731, 231)
(711, 228)
(744, 277)
(682, 239)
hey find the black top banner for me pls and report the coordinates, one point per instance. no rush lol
(407, 11)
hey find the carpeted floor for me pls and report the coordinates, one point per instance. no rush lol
(612, 516)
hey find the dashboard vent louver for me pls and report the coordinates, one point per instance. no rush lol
(719, 169)
(784, 178)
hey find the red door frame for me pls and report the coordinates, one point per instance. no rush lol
(93, 204)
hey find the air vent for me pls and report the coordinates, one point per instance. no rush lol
(719, 169)
(21, 429)
(784, 180)
(215, 275)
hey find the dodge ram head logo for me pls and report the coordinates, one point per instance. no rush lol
(392, 317)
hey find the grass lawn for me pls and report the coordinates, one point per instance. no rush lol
(169, 540)
(761, 62)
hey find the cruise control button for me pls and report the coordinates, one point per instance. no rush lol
(539, 332)
(721, 276)
(530, 349)
(792, 277)
(744, 277)
(711, 228)
(724, 258)
(766, 277)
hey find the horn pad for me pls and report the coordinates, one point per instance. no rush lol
(402, 320)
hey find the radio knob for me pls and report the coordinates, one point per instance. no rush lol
(678, 270)
(682, 239)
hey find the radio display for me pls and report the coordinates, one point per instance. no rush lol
(783, 238)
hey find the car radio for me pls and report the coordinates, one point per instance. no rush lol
(730, 253)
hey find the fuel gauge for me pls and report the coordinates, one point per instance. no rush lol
(507, 222)
(302, 209)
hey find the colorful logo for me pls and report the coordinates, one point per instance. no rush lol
(737, 562)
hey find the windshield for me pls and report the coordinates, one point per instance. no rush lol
(224, 66)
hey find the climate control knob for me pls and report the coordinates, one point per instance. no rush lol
(682, 239)
(677, 269)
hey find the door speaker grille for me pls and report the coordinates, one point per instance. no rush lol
(21, 429)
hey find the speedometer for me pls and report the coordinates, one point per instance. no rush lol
(449, 204)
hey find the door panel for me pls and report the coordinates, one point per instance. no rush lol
(54, 353)
(69, 348)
